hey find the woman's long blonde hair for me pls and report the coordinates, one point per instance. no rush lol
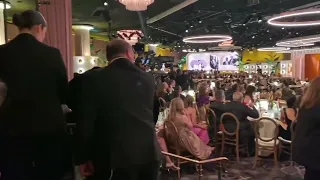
(312, 95)
(176, 107)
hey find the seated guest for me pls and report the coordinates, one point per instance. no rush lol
(229, 91)
(188, 139)
(177, 93)
(241, 111)
(160, 93)
(203, 97)
(248, 95)
(172, 85)
(288, 115)
(299, 96)
(199, 128)
(286, 91)
(218, 105)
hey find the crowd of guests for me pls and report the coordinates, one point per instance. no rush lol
(236, 94)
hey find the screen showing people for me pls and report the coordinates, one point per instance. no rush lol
(218, 61)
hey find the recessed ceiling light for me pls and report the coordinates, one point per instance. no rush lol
(105, 3)
(187, 30)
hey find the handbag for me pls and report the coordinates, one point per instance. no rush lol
(162, 116)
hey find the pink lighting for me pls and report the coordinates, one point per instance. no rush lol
(131, 36)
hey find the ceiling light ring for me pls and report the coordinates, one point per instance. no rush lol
(275, 20)
(203, 39)
(273, 49)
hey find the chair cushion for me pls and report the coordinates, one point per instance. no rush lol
(269, 144)
(284, 140)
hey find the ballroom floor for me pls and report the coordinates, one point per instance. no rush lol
(244, 171)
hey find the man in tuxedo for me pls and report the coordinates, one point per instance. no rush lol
(218, 105)
(115, 128)
(241, 111)
(74, 93)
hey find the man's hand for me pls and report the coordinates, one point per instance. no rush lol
(86, 169)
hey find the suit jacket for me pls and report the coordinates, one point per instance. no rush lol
(241, 111)
(115, 125)
(219, 108)
(74, 94)
(37, 83)
(305, 144)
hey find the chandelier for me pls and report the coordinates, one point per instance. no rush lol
(136, 5)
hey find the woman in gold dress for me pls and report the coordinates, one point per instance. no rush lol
(187, 138)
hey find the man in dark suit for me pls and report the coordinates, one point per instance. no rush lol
(115, 125)
(32, 123)
(241, 111)
(74, 93)
(218, 105)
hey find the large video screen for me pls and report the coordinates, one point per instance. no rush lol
(219, 61)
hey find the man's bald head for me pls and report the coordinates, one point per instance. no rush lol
(237, 96)
(119, 48)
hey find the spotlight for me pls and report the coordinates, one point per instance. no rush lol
(105, 4)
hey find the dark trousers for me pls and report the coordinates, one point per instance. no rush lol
(311, 174)
(136, 172)
(36, 159)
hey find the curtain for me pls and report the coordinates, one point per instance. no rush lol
(58, 14)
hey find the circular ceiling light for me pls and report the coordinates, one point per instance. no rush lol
(8, 5)
(299, 41)
(202, 39)
(273, 49)
(276, 20)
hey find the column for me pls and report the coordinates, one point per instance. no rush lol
(82, 40)
(2, 22)
(58, 14)
(83, 60)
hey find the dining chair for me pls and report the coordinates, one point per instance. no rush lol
(213, 129)
(162, 103)
(266, 137)
(232, 138)
(285, 146)
(172, 138)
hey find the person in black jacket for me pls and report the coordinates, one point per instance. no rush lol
(115, 128)
(74, 93)
(241, 111)
(32, 123)
(305, 144)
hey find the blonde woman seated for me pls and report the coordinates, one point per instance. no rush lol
(188, 139)
(199, 128)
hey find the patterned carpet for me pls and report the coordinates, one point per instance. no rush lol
(265, 171)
